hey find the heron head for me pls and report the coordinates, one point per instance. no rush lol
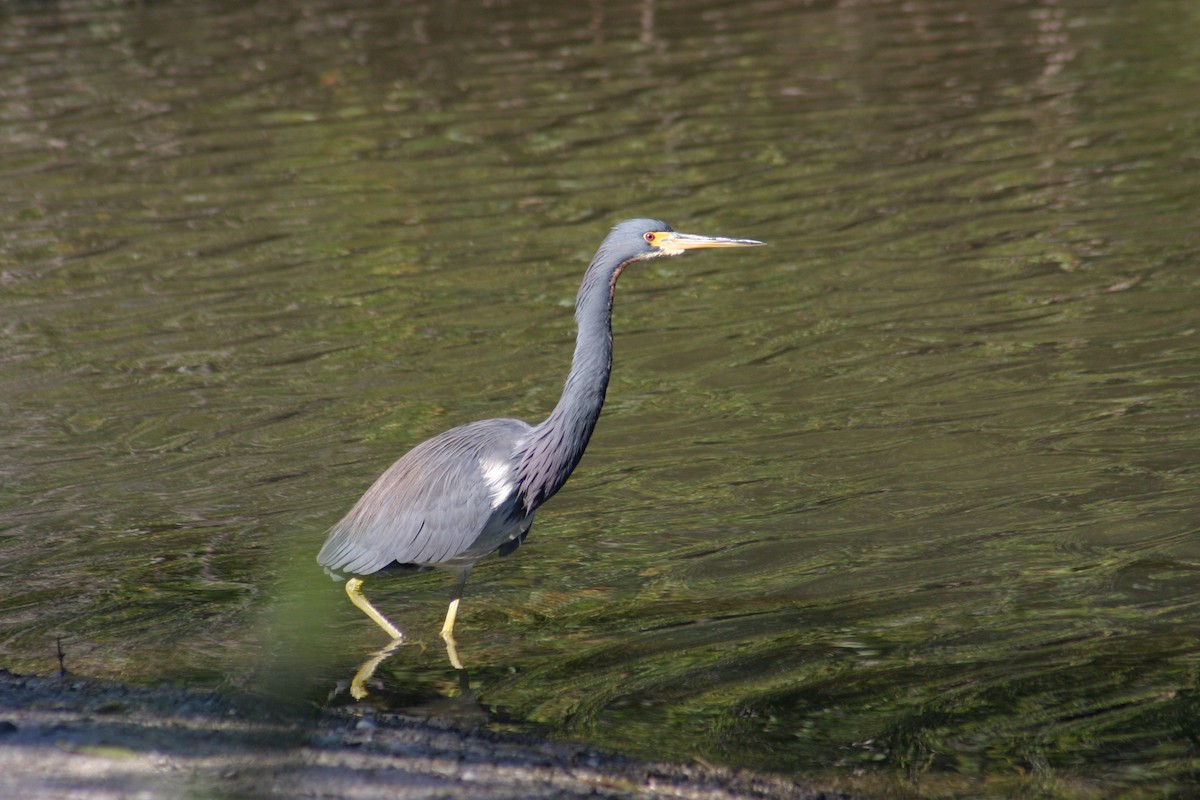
(651, 238)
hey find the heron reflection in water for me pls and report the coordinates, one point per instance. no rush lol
(474, 489)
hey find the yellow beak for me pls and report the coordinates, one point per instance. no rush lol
(673, 242)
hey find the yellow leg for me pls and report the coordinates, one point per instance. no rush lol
(448, 635)
(354, 591)
(451, 615)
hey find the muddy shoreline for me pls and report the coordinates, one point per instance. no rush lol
(73, 737)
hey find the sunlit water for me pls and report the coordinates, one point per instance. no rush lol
(905, 502)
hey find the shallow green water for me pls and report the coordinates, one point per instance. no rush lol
(906, 501)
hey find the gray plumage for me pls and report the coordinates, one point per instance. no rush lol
(437, 505)
(474, 489)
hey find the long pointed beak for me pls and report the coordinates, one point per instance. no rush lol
(678, 242)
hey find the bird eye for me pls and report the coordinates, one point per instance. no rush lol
(649, 237)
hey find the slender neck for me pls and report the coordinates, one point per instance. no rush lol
(554, 447)
(583, 393)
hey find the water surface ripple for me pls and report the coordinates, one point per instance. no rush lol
(905, 501)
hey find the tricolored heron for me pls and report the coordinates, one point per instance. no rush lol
(474, 489)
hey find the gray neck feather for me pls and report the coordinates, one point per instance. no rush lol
(555, 446)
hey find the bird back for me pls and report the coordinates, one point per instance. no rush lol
(450, 500)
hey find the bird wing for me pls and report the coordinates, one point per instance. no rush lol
(447, 494)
